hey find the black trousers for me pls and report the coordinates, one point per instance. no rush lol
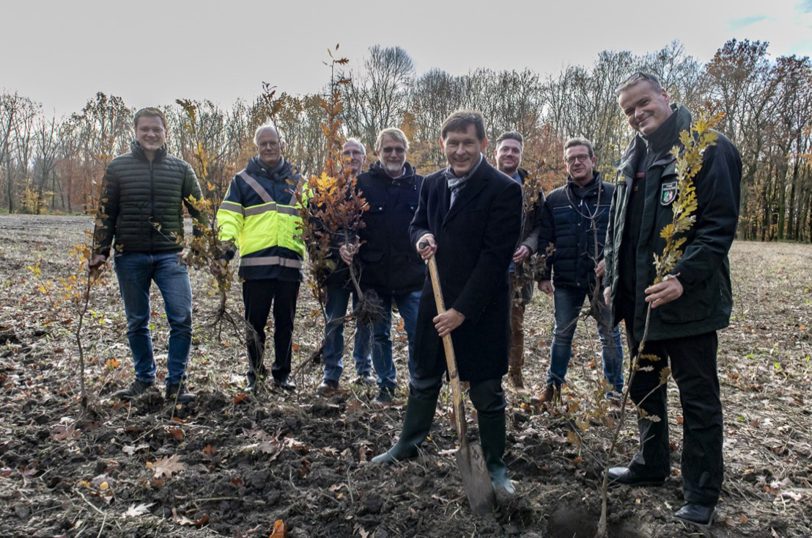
(487, 396)
(693, 366)
(258, 296)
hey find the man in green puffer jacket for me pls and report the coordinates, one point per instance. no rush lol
(141, 215)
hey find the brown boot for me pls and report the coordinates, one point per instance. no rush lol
(551, 395)
(516, 380)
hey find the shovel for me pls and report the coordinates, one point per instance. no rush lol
(471, 462)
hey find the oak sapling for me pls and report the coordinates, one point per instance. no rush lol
(332, 207)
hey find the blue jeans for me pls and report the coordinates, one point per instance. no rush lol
(336, 308)
(568, 302)
(135, 272)
(408, 304)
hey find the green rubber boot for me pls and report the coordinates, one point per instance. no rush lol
(492, 436)
(416, 426)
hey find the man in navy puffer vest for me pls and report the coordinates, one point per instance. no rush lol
(574, 218)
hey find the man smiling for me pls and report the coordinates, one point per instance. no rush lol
(141, 215)
(389, 265)
(687, 307)
(469, 218)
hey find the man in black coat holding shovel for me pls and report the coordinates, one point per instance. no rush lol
(469, 218)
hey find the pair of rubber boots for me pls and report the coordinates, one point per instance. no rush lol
(416, 426)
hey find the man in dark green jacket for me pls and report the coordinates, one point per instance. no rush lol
(141, 215)
(687, 307)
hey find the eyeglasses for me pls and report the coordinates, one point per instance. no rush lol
(271, 145)
(352, 153)
(578, 158)
(397, 149)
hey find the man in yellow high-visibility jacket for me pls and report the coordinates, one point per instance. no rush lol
(260, 216)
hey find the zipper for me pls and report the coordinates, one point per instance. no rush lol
(152, 207)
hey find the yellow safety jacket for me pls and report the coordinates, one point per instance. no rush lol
(260, 214)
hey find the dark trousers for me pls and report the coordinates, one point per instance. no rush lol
(258, 296)
(487, 396)
(693, 366)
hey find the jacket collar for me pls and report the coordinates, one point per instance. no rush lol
(256, 167)
(474, 183)
(138, 152)
(378, 171)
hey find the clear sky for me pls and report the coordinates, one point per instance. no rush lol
(61, 52)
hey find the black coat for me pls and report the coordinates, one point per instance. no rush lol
(703, 268)
(476, 239)
(389, 262)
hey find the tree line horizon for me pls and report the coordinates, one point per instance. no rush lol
(50, 164)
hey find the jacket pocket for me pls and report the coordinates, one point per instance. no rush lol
(694, 305)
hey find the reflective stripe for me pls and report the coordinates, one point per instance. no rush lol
(233, 206)
(271, 260)
(273, 206)
(254, 184)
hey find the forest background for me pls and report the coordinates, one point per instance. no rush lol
(51, 164)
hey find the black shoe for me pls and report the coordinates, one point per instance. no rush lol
(365, 379)
(327, 387)
(385, 396)
(178, 393)
(696, 514)
(286, 383)
(136, 389)
(625, 476)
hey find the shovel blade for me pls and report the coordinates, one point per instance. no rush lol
(475, 478)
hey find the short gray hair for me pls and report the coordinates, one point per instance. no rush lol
(636, 78)
(578, 141)
(353, 140)
(266, 127)
(392, 132)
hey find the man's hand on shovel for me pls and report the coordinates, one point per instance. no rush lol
(475, 477)
(448, 321)
(426, 246)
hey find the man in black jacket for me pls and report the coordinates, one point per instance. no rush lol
(389, 264)
(338, 290)
(509, 150)
(141, 210)
(469, 218)
(687, 307)
(574, 218)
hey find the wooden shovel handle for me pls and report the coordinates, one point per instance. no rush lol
(450, 357)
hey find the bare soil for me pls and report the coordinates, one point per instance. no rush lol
(233, 465)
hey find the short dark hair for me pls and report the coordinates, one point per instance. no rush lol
(460, 120)
(637, 77)
(510, 135)
(578, 141)
(149, 112)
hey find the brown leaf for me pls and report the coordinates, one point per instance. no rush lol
(280, 530)
(665, 373)
(166, 467)
(239, 398)
(209, 450)
(62, 432)
(176, 433)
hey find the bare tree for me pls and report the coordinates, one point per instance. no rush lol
(377, 96)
